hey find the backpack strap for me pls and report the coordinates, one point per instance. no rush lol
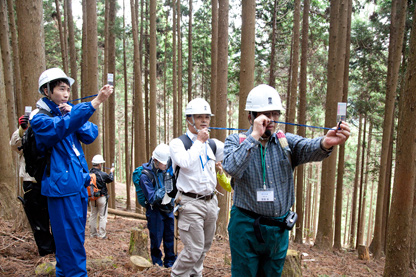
(151, 178)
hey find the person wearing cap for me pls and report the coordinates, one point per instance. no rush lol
(64, 181)
(261, 162)
(159, 206)
(196, 184)
(34, 203)
(99, 207)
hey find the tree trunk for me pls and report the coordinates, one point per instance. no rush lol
(214, 62)
(31, 47)
(247, 59)
(291, 112)
(341, 158)
(111, 103)
(398, 18)
(272, 78)
(127, 159)
(9, 205)
(180, 99)
(153, 125)
(361, 202)
(399, 226)
(16, 65)
(221, 117)
(139, 143)
(176, 119)
(61, 38)
(302, 120)
(72, 50)
(8, 71)
(336, 60)
(190, 53)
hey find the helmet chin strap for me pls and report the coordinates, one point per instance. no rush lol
(193, 123)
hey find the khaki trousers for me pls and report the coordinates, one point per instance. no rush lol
(98, 209)
(196, 224)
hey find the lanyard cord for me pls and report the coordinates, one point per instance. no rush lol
(263, 164)
(200, 158)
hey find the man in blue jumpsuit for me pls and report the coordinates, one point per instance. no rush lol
(159, 207)
(66, 176)
(261, 163)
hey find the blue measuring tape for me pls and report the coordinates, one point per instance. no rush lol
(83, 98)
(280, 122)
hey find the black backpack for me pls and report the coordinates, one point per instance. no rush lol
(188, 143)
(36, 161)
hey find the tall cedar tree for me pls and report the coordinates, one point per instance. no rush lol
(8, 70)
(398, 18)
(190, 52)
(92, 72)
(111, 103)
(248, 29)
(336, 59)
(221, 116)
(72, 50)
(16, 65)
(214, 61)
(9, 208)
(341, 158)
(61, 37)
(180, 98)
(176, 119)
(152, 75)
(400, 219)
(302, 120)
(139, 143)
(294, 68)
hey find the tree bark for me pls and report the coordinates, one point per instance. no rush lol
(7, 70)
(153, 125)
(302, 120)
(398, 18)
(214, 62)
(31, 47)
(221, 117)
(9, 205)
(336, 59)
(61, 38)
(247, 58)
(399, 226)
(139, 143)
(72, 50)
(16, 65)
(291, 112)
(190, 52)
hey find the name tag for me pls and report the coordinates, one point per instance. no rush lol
(203, 179)
(265, 195)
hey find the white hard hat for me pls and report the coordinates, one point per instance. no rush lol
(263, 98)
(198, 106)
(98, 159)
(161, 153)
(53, 74)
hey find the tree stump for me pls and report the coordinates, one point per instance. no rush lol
(292, 265)
(138, 243)
(140, 263)
(363, 253)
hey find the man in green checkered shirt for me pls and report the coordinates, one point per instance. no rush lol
(261, 163)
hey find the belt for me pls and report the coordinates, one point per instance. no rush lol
(199, 196)
(262, 220)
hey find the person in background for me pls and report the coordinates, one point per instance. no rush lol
(65, 180)
(159, 207)
(99, 208)
(223, 180)
(34, 203)
(196, 183)
(261, 163)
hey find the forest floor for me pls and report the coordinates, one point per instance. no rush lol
(19, 257)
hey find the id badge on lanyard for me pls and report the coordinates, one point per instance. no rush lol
(265, 195)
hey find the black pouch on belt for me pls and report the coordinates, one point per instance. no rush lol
(287, 224)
